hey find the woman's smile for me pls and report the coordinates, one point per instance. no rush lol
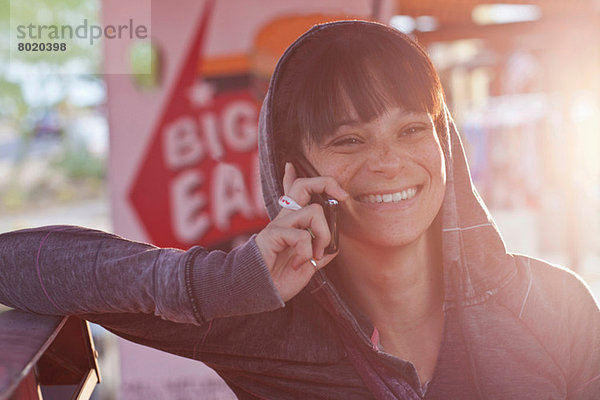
(394, 196)
(393, 166)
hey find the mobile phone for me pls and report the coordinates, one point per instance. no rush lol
(330, 205)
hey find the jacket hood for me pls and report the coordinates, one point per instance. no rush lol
(476, 264)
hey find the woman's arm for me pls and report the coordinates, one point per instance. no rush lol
(143, 292)
(69, 270)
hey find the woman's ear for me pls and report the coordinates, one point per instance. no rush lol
(289, 176)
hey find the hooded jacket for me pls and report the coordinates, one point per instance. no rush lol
(515, 327)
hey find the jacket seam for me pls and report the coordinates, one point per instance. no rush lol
(540, 342)
(530, 284)
(38, 269)
(476, 300)
(99, 292)
(199, 345)
(188, 284)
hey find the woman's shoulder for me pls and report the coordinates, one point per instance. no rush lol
(547, 295)
(553, 282)
(558, 308)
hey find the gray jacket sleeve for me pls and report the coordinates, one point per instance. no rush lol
(68, 270)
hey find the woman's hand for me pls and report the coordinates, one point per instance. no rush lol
(286, 244)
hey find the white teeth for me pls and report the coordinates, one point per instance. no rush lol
(389, 197)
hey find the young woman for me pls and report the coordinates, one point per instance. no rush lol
(421, 300)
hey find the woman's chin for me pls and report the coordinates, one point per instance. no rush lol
(381, 238)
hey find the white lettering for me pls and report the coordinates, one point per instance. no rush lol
(182, 146)
(229, 195)
(211, 135)
(188, 222)
(240, 126)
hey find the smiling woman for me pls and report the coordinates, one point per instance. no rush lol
(396, 155)
(393, 168)
(421, 300)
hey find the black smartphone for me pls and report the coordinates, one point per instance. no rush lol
(330, 205)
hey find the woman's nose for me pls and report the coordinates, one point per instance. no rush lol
(385, 160)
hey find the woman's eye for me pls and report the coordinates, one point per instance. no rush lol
(346, 141)
(411, 130)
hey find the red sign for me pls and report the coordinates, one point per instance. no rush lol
(198, 182)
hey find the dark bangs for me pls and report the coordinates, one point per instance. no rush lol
(362, 69)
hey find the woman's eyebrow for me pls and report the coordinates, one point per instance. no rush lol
(416, 115)
(412, 115)
(346, 122)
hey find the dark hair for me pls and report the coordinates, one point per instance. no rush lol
(369, 65)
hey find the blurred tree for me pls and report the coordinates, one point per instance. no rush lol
(17, 67)
(51, 13)
(34, 82)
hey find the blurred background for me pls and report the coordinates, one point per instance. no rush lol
(146, 136)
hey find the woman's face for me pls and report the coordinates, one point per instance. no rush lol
(392, 167)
